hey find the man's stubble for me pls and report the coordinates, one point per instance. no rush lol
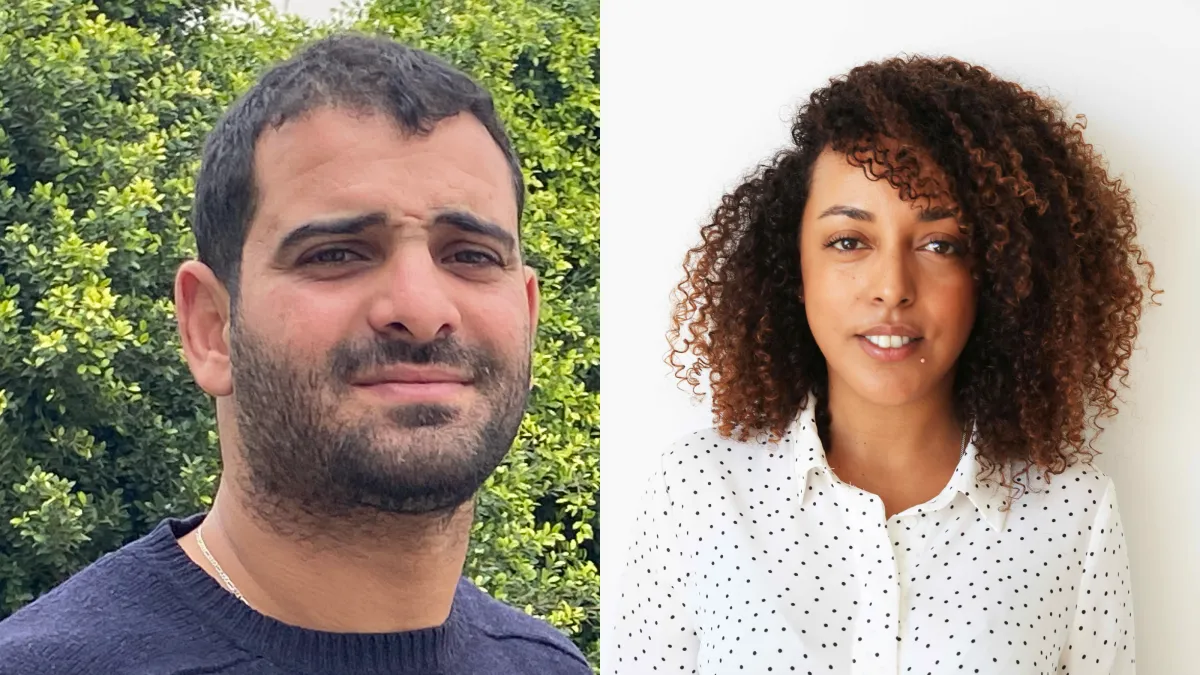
(305, 461)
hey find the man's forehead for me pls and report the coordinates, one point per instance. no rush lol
(335, 163)
(331, 126)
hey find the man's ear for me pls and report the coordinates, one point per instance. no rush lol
(202, 313)
(534, 299)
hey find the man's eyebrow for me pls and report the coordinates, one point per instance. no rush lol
(472, 224)
(332, 227)
(927, 215)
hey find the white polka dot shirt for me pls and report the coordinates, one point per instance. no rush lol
(754, 558)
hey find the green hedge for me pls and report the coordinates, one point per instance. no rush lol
(103, 110)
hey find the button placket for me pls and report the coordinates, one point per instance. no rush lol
(876, 625)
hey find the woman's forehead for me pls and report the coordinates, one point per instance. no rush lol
(893, 174)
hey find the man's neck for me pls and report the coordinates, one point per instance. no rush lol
(383, 574)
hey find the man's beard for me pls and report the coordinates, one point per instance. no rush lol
(305, 458)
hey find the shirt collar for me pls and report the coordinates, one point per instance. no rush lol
(806, 445)
(987, 496)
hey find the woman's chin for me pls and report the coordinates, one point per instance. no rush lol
(888, 390)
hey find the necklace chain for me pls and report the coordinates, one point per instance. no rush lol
(217, 566)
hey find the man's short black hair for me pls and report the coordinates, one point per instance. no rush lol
(349, 70)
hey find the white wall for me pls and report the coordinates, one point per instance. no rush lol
(694, 98)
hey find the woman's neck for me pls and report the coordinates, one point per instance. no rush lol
(903, 453)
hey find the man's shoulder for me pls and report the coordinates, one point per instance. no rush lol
(69, 628)
(40, 646)
(108, 617)
(522, 636)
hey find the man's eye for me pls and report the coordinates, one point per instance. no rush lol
(474, 257)
(332, 256)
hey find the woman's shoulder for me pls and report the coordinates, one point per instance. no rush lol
(708, 443)
(1076, 492)
(1081, 477)
(710, 457)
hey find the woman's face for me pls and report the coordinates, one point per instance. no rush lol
(887, 286)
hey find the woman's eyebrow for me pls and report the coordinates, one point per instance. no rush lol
(855, 213)
(848, 211)
(936, 213)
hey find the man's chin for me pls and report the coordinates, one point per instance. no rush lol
(424, 416)
(435, 478)
(416, 505)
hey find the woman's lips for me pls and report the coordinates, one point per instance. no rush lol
(889, 355)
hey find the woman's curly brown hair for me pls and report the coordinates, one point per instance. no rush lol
(1051, 234)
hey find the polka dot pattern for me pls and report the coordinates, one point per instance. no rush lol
(754, 557)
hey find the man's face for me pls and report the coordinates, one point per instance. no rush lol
(381, 340)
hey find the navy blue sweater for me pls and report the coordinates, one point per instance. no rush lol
(148, 609)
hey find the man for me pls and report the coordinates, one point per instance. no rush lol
(361, 313)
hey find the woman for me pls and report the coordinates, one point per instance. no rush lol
(912, 316)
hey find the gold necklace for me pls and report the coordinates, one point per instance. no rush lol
(217, 566)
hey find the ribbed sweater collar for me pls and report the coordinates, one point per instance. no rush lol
(429, 650)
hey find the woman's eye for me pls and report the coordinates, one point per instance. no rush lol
(846, 244)
(942, 247)
(474, 257)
